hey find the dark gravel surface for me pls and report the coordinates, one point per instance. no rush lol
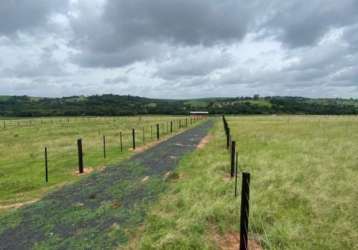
(99, 211)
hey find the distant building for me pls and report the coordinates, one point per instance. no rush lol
(199, 113)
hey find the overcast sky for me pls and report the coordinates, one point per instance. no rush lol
(179, 48)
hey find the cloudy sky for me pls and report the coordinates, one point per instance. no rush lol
(179, 48)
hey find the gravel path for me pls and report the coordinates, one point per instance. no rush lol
(102, 210)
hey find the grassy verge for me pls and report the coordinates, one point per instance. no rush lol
(303, 188)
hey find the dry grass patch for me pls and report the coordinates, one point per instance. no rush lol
(146, 178)
(17, 205)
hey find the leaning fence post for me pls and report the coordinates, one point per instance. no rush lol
(233, 151)
(228, 138)
(46, 166)
(133, 138)
(80, 156)
(157, 131)
(104, 146)
(244, 218)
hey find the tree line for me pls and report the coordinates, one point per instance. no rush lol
(117, 105)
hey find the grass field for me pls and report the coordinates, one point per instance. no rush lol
(303, 188)
(304, 175)
(23, 141)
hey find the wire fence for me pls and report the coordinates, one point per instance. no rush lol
(245, 188)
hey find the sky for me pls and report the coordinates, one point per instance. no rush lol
(179, 48)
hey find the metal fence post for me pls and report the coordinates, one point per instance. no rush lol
(80, 156)
(121, 140)
(104, 146)
(244, 218)
(133, 138)
(46, 166)
(233, 152)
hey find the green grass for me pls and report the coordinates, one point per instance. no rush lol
(303, 187)
(23, 141)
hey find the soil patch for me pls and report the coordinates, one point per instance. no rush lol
(204, 141)
(86, 171)
(231, 241)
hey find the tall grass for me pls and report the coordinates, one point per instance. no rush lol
(303, 187)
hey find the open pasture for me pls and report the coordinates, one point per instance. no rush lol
(304, 175)
(303, 181)
(22, 144)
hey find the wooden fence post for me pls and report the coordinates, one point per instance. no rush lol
(80, 156)
(233, 151)
(244, 218)
(46, 166)
(133, 138)
(171, 127)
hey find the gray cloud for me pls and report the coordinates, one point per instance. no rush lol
(120, 35)
(128, 31)
(21, 15)
(46, 65)
(351, 37)
(298, 23)
(189, 63)
(189, 21)
(116, 80)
